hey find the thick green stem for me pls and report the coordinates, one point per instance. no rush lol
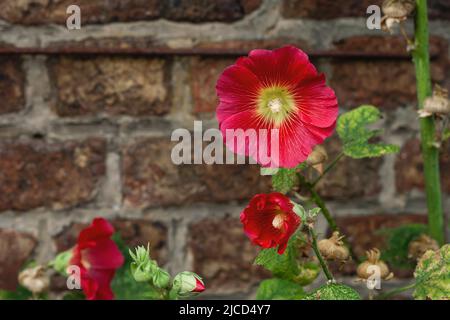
(427, 126)
(322, 262)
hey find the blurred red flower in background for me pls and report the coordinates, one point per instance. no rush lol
(98, 257)
(269, 220)
(277, 89)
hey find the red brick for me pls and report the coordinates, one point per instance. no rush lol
(151, 179)
(12, 80)
(15, 249)
(350, 178)
(326, 9)
(133, 233)
(223, 255)
(58, 175)
(113, 86)
(32, 12)
(384, 82)
(409, 167)
(204, 73)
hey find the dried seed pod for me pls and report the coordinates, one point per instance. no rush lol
(436, 104)
(333, 248)
(317, 156)
(398, 8)
(419, 246)
(35, 279)
(366, 269)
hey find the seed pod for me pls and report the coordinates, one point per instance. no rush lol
(365, 269)
(333, 248)
(398, 8)
(419, 246)
(34, 279)
(317, 156)
(436, 104)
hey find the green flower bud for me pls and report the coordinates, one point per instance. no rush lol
(187, 283)
(161, 279)
(61, 262)
(142, 267)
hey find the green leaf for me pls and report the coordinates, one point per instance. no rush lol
(334, 291)
(308, 272)
(433, 275)
(446, 135)
(279, 289)
(20, 293)
(284, 265)
(397, 240)
(300, 211)
(352, 130)
(284, 180)
(269, 171)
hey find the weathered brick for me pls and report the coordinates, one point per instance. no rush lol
(151, 179)
(133, 233)
(112, 86)
(100, 11)
(326, 9)
(223, 255)
(409, 167)
(12, 80)
(15, 249)
(384, 82)
(204, 73)
(350, 178)
(59, 175)
(363, 233)
(439, 9)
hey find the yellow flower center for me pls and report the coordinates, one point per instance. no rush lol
(275, 104)
(278, 221)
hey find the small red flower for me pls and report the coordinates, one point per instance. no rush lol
(199, 286)
(98, 257)
(281, 90)
(269, 220)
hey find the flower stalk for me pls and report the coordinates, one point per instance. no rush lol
(322, 262)
(427, 125)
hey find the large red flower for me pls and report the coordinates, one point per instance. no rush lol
(277, 89)
(269, 220)
(98, 257)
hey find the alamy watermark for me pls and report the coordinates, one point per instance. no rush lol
(260, 145)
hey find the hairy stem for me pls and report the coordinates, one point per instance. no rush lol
(322, 262)
(427, 126)
(395, 291)
(328, 168)
(319, 202)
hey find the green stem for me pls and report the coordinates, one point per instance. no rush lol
(319, 202)
(427, 126)
(395, 291)
(328, 168)
(322, 262)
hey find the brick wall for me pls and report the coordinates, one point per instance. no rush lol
(86, 117)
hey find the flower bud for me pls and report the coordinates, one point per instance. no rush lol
(365, 269)
(187, 283)
(419, 246)
(317, 156)
(334, 248)
(61, 261)
(436, 104)
(161, 278)
(34, 279)
(142, 267)
(398, 8)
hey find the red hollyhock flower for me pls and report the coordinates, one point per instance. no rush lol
(269, 220)
(98, 257)
(277, 89)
